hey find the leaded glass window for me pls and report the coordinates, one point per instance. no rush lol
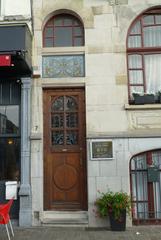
(64, 121)
(63, 66)
(63, 30)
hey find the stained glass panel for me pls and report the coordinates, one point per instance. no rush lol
(57, 121)
(58, 104)
(57, 138)
(63, 66)
(72, 120)
(72, 138)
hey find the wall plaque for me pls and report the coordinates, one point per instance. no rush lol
(101, 149)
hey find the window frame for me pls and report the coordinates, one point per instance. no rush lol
(142, 50)
(72, 27)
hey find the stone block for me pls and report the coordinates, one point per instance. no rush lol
(92, 190)
(121, 80)
(108, 168)
(93, 168)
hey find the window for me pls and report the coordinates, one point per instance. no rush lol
(63, 30)
(144, 54)
(10, 98)
(61, 66)
(145, 175)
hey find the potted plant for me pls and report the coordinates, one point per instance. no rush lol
(115, 205)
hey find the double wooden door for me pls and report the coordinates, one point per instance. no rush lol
(64, 150)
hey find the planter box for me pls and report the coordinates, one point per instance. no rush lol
(145, 99)
(118, 224)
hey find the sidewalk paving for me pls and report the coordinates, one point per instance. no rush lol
(75, 233)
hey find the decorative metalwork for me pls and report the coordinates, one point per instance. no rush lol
(72, 120)
(71, 104)
(57, 121)
(64, 117)
(63, 66)
(58, 104)
(72, 138)
(57, 138)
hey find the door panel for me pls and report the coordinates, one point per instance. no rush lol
(64, 150)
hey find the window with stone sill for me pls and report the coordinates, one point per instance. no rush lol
(63, 30)
(144, 56)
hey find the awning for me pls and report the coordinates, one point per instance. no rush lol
(15, 51)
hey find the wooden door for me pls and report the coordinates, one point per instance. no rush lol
(64, 150)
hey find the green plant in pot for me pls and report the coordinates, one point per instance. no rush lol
(115, 205)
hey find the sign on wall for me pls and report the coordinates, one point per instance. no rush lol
(101, 149)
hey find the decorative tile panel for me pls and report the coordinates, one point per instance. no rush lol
(63, 66)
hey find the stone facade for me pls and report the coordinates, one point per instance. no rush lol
(133, 129)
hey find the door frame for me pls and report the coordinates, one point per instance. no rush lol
(84, 183)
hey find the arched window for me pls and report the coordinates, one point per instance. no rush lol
(145, 176)
(63, 30)
(144, 55)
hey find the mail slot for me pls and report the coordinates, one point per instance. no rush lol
(153, 174)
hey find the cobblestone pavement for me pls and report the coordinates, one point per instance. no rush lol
(71, 233)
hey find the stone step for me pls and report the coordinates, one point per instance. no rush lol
(65, 218)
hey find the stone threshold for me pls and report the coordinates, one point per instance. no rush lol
(65, 218)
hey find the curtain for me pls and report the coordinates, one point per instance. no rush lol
(153, 72)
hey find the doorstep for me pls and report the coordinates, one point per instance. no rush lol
(65, 218)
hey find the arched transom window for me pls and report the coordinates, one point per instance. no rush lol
(144, 55)
(63, 30)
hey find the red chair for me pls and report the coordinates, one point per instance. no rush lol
(4, 216)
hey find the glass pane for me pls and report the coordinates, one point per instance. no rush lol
(9, 159)
(72, 120)
(63, 66)
(57, 137)
(156, 159)
(78, 41)
(136, 29)
(142, 210)
(58, 21)
(158, 19)
(147, 20)
(71, 104)
(63, 36)
(16, 93)
(136, 89)
(134, 41)
(68, 21)
(141, 181)
(77, 31)
(6, 93)
(153, 72)
(58, 104)
(139, 162)
(57, 121)
(152, 36)
(76, 22)
(135, 61)
(136, 77)
(72, 138)
(48, 42)
(9, 119)
(48, 32)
